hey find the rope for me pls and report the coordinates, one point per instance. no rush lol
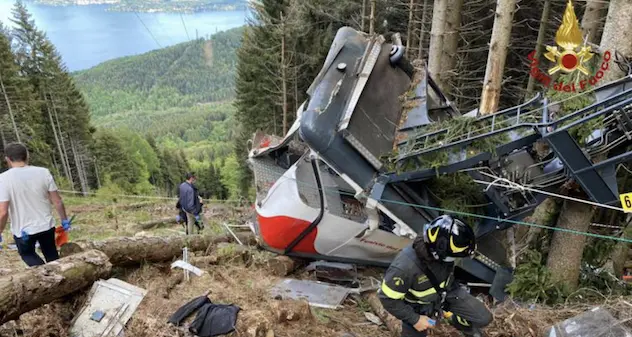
(516, 186)
(148, 196)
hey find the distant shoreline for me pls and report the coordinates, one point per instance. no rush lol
(189, 7)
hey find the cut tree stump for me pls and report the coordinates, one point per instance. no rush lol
(282, 265)
(393, 324)
(154, 223)
(30, 289)
(132, 250)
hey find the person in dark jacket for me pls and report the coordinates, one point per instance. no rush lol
(189, 202)
(407, 291)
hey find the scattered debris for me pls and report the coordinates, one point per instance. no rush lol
(597, 322)
(318, 294)
(211, 319)
(110, 304)
(373, 318)
(187, 266)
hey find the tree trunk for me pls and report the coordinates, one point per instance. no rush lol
(363, 24)
(422, 29)
(61, 153)
(132, 250)
(154, 223)
(393, 324)
(409, 33)
(34, 287)
(96, 172)
(78, 165)
(622, 251)
(4, 141)
(592, 20)
(545, 214)
(566, 250)
(451, 43)
(372, 18)
(6, 98)
(63, 145)
(498, 46)
(616, 36)
(539, 44)
(283, 75)
(437, 31)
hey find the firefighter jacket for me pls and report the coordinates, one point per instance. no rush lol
(406, 292)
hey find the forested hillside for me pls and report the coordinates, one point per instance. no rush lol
(123, 126)
(182, 75)
(179, 95)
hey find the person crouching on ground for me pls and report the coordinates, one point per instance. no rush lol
(26, 195)
(420, 281)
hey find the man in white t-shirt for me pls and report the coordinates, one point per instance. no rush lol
(26, 196)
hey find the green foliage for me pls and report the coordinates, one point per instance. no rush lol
(230, 177)
(458, 192)
(571, 102)
(532, 281)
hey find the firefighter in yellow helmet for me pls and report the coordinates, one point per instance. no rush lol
(419, 283)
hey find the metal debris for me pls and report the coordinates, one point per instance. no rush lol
(108, 307)
(317, 294)
(596, 322)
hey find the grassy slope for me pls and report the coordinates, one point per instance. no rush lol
(179, 94)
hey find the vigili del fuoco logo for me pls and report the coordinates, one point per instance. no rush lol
(569, 56)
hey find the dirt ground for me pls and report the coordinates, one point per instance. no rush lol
(234, 281)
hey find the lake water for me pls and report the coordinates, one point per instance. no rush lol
(88, 35)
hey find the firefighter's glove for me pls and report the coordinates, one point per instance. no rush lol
(65, 224)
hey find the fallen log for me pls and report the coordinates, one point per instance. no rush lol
(132, 250)
(155, 223)
(393, 324)
(30, 289)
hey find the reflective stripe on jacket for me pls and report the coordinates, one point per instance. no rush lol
(406, 286)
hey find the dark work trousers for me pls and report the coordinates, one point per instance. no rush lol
(472, 313)
(26, 248)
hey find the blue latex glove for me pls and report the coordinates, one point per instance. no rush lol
(65, 224)
(25, 236)
(197, 217)
(432, 322)
(178, 218)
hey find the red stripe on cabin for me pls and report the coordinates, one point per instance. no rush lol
(279, 231)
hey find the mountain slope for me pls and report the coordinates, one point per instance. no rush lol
(182, 75)
(181, 95)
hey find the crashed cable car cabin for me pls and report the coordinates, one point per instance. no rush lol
(329, 196)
